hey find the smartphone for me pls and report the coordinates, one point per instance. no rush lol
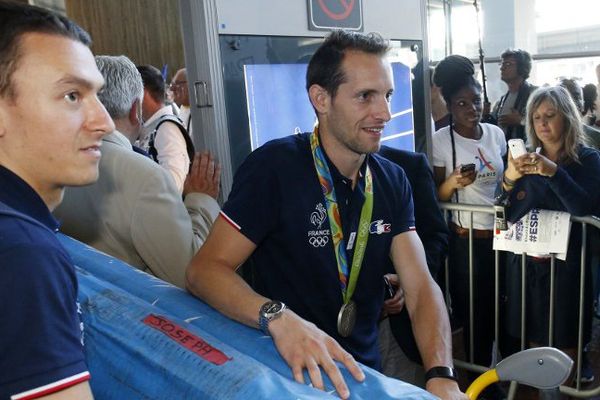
(389, 289)
(466, 168)
(516, 147)
(500, 218)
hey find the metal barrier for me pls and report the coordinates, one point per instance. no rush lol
(470, 365)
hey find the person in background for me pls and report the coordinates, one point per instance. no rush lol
(169, 141)
(590, 96)
(590, 99)
(592, 139)
(399, 350)
(598, 91)
(169, 95)
(134, 211)
(509, 112)
(563, 176)
(468, 166)
(51, 128)
(295, 207)
(591, 134)
(181, 97)
(439, 110)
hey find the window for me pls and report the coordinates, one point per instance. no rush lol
(564, 41)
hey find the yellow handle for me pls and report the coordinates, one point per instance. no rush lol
(483, 381)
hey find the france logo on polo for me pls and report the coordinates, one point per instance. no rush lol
(378, 227)
(318, 216)
(318, 237)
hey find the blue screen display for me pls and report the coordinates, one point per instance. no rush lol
(278, 104)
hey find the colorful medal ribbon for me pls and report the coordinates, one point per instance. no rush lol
(335, 222)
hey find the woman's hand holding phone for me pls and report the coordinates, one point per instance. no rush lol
(516, 152)
(531, 164)
(464, 175)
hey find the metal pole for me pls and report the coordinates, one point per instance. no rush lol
(448, 21)
(551, 316)
(481, 55)
(497, 299)
(523, 294)
(581, 300)
(471, 297)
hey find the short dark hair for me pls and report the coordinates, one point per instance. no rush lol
(324, 68)
(523, 59)
(454, 73)
(17, 19)
(590, 95)
(574, 91)
(154, 82)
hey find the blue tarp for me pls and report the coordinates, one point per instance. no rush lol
(146, 339)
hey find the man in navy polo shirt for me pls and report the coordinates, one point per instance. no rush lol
(51, 126)
(323, 218)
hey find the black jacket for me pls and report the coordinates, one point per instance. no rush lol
(431, 228)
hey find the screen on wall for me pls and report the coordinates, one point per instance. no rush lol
(265, 95)
(278, 104)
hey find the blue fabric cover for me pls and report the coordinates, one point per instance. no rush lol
(129, 359)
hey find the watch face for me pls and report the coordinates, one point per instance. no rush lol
(273, 307)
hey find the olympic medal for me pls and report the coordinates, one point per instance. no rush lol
(346, 319)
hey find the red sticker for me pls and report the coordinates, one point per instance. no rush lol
(186, 339)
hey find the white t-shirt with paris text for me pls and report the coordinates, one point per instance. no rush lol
(486, 153)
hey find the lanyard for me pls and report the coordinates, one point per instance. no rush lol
(335, 221)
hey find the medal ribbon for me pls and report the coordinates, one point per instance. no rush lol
(335, 221)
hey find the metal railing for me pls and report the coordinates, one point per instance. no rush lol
(470, 365)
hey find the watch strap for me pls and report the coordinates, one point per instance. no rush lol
(263, 324)
(441, 372)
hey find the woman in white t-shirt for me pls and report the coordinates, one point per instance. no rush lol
(468, 168)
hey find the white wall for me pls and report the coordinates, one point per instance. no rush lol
(394, 19)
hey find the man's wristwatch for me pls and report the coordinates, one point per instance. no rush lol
(268, 312)
(441, 372)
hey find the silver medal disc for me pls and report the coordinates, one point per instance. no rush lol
(346, 319)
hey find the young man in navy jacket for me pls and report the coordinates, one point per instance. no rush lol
(51, 127)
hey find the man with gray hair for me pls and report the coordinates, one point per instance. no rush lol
(134, 212)
(181, 97)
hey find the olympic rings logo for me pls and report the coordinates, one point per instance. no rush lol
(318, 241)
